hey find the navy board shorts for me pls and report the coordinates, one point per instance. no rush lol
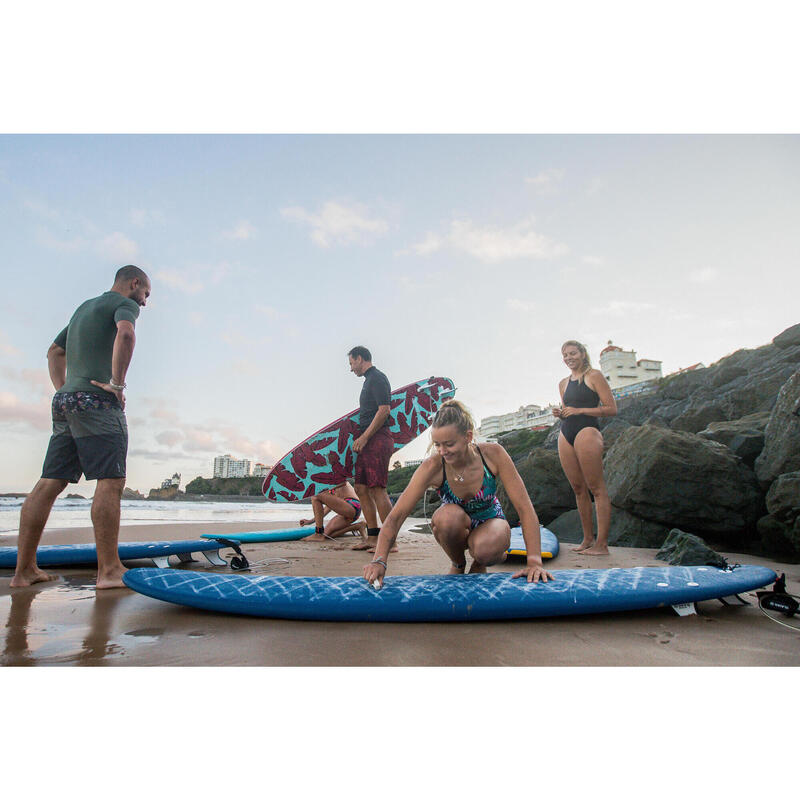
(90, 438)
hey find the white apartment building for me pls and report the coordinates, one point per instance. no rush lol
(261, 470)
(621, 367)
(530, 416)
(228, 467)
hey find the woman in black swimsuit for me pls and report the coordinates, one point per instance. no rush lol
(585, 396)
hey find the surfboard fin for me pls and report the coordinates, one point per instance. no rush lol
(684, 609)
(733, 600)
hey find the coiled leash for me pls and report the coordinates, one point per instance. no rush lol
(778, 599)
(239, 562)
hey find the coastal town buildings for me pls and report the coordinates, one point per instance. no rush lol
(627, 375)
(261, 470)
(530, 416)
(228, 467)
(174, 481)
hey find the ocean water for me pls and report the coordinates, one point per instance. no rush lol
(74, 513)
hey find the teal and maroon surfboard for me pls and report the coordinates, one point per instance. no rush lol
(326, 458)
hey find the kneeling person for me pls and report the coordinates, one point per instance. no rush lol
(344, 502)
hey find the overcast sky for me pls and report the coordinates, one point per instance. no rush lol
(470, 257)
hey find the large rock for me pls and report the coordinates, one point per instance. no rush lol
(548, 487)
(779, 538)
(695, 418)
(783, 497)
(789, 338)
(689, 550)
(781, 451)
(744, 437)
(681, 480)
(626, 530)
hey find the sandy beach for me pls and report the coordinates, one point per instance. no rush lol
(65, 622)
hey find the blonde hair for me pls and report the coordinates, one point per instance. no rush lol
(452, 412)
(587, 364)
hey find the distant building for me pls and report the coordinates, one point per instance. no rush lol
(415, 462)
(175, 481)
(622, 369)
(228, 467)
(530, 417)
(261, 470)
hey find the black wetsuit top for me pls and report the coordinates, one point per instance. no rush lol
(579, 395)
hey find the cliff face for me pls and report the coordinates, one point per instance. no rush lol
(171, 493)
(715, 452)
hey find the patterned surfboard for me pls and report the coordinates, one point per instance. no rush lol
(326, 458)
(434, 598)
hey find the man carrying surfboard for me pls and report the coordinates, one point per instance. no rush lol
(373, 446)
(88, 362)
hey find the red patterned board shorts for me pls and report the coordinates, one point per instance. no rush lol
(372, 463)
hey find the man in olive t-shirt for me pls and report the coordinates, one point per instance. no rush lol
(88, 361)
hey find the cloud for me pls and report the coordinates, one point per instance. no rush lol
(170, 438)
(35, 415)
(142, 217)
(242, 230)
(6, 348)
(270, 312)
(196, 278)
(705, 275)
(117, 247)
(619, 308)
(36, 379)
(547, 180)
(594, 261)
(520, 305)
(337, 223)
(491, 243)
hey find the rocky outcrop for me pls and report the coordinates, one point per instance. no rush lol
(689, 550)
(744, 437)
(680, 479)
(548, 487)
(781, 453)
(788, 339)
(132, 494)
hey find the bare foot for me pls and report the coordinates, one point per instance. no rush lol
(584, 545)
(31, 576)
(476, 568)
(454, 570)
(597, 550)
(315, 537)
(111, 579)
(373, 547)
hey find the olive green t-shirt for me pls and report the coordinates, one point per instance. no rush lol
(89, 340)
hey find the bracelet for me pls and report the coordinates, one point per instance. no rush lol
(118, 387)
(380, 561)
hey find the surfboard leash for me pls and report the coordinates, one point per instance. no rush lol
(778, 599)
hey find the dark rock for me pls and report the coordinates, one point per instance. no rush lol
(551, 442)
(778, 538)
(688, 550)
(680, 479)
(626, 530)
(789, 338)
(75, 497)
(783, 497)
(781, 451)
(726, 374)
(611, 432)
(548, 487)
(758, 394)
(695, 418)
(744, 437)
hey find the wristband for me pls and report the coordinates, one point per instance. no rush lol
(117, 387)
(381, 562)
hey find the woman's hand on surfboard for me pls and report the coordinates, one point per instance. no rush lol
(374, 572)
(534, 573)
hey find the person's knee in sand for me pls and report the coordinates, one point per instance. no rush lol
(88, 361)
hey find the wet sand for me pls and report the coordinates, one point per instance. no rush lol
(65, 622)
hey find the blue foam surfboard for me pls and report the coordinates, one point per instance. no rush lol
(443, 598)
(64, 555)
(285, 535)
(550, 545)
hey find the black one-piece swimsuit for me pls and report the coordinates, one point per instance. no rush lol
(579, 395)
